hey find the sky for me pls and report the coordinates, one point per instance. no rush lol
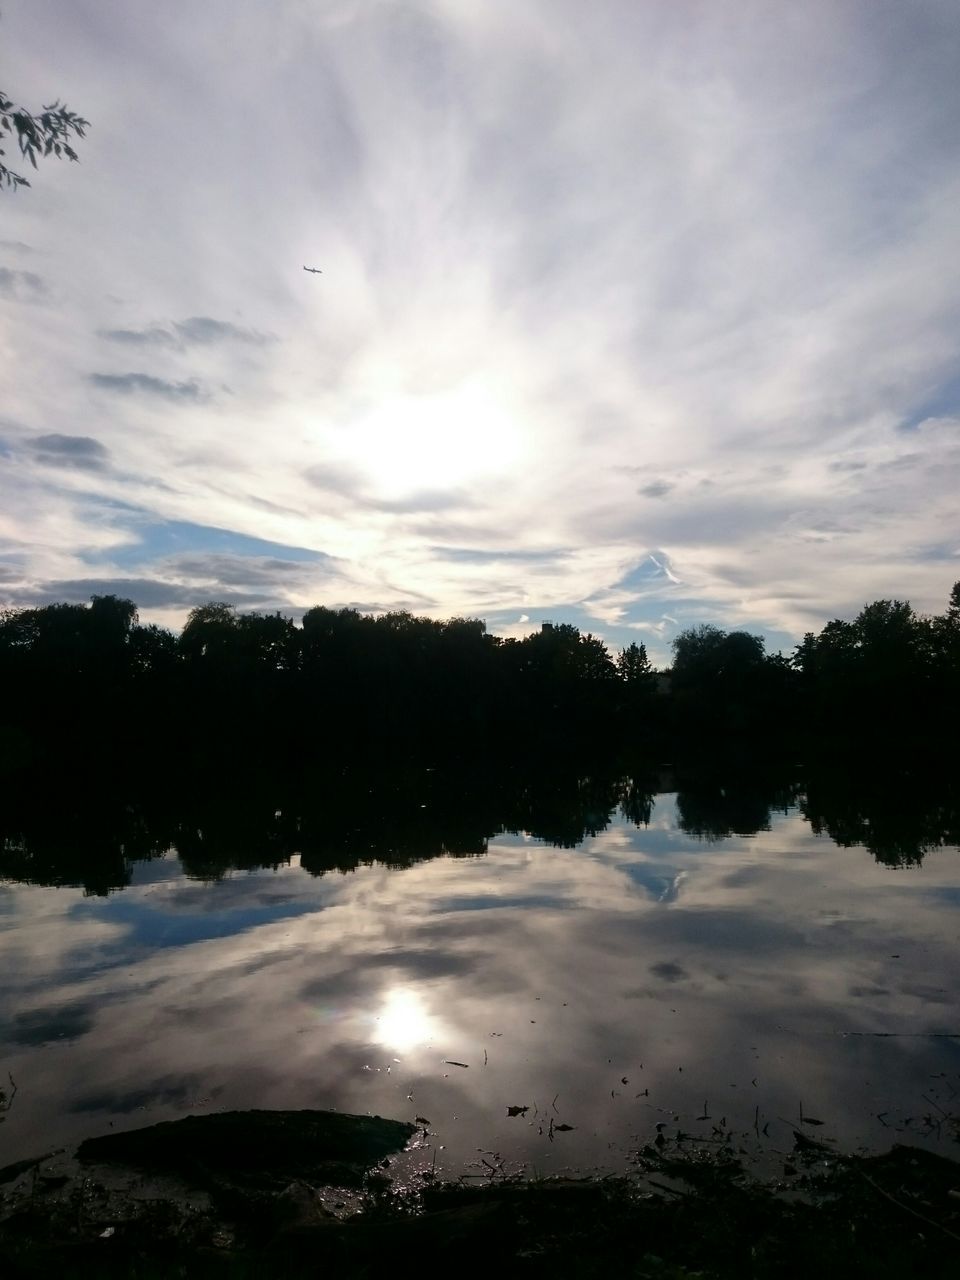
(630, 315)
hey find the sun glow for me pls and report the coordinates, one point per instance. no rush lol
(404, 1023)
(436, 442)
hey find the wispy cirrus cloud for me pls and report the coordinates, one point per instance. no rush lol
(22, 286)
(181, 334)
(134, 383)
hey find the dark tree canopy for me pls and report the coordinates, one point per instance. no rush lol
(91, 681)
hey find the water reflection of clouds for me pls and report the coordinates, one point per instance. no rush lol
(149, 926)
(305, 992)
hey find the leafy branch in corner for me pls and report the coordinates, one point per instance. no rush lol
(47, 133)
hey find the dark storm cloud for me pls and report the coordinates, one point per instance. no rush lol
(128, 383)
(194, 331)
(21, 286)
(80, 452)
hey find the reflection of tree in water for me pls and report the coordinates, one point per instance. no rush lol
(353, 818)
(715, 809)
(560, 808)
(636, 801)
(349, 819)
(898, 819)
(89, 841)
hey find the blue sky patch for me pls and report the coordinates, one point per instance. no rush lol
(158, 539)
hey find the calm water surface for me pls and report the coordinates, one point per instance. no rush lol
(647, 975)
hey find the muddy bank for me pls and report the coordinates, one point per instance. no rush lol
(306, 1193)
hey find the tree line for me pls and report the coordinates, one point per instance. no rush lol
(87, 683)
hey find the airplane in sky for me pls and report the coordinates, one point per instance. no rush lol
(315, 270)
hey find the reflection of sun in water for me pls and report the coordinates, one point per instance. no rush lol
(437, 441)
(403, 1022)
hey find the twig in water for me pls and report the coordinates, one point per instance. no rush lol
(907, 1209)
(934, 1104)
(662, 1186)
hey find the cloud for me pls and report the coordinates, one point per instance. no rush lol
(39, 1026)
(80, 452)
(131, 383)
(333, 478)
(203, 330)
(153, 336)
(166, 1091)
(250, 572)
(349, 483)
(181, 581)
(21, 286)
(657, 489)
(194, 331)
(148, 593)
(477, 555)
(421, 500)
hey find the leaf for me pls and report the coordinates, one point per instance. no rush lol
(562, 1128)
(518, 1111)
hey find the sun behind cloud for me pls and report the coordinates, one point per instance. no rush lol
(440, 440)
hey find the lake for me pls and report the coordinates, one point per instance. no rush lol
(709, 957)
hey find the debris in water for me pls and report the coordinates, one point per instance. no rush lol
(450, 1063)
(518, 1111)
